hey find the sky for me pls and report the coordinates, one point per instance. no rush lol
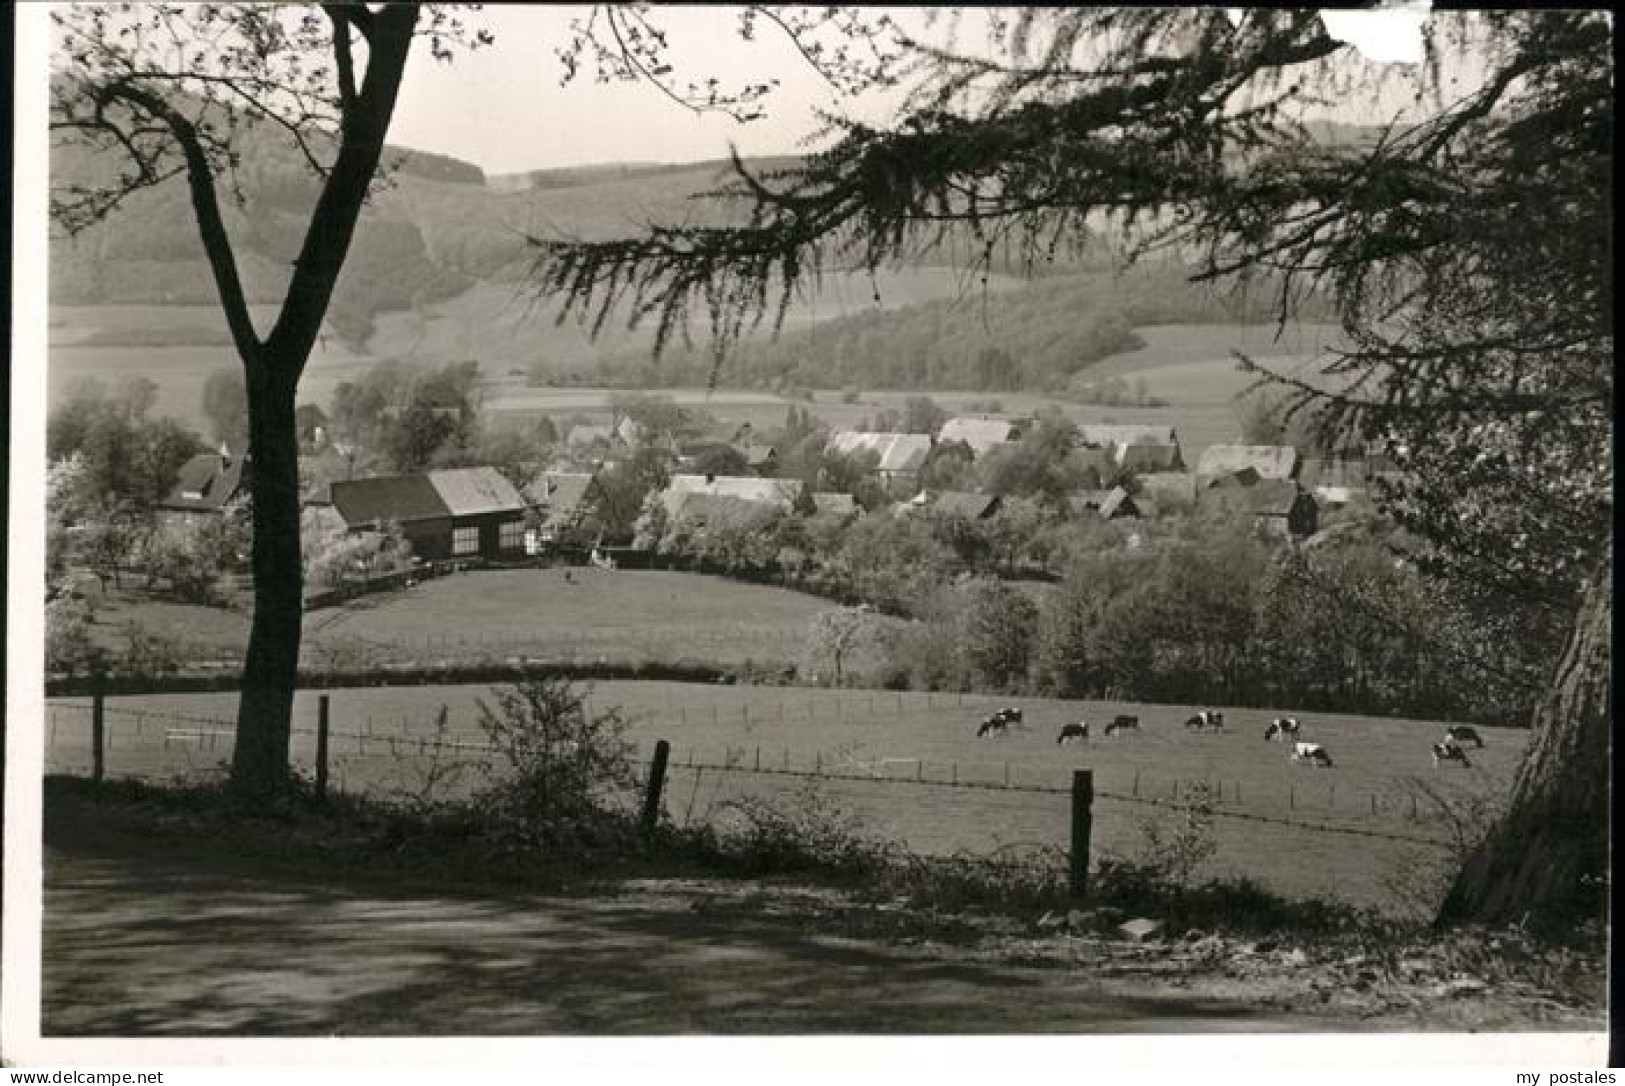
(503, 109)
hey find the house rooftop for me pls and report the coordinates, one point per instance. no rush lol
(897, 452)
(964, 503)
(206, 482)
(400, 498)
(471, 492)
(1270, 461)
(982, 435)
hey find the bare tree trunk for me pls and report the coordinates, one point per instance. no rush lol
(1545, 863)
(260, 757)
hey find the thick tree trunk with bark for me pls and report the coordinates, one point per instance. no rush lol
(272, 369)
(1545, 863)
(260, 756)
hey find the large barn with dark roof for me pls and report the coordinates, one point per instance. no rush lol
(453, 513)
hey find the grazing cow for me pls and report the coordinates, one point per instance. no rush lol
(1207, 718)
(1069, 732)
(1123, 723)
(1011, 717)
(1448, 751)
(1282, 728)
(1313, 753)
(1461, 733)
(993, 725)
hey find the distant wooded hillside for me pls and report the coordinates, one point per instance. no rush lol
(442, 232)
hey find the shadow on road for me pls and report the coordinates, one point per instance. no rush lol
(161, 945)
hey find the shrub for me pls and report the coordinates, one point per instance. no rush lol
(568, 766)
(805, 831)
(69, 649)
(148, 654)
(1174, 848)
(1023, 879)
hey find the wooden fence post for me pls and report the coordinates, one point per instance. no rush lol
(657, 782)
(321, 748)
(98, 727)
(1083, 799)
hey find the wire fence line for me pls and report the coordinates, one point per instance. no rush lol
(398, 745)
(1318, 827)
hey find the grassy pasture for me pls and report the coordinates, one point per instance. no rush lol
(1177, 345)
(691, 614)
(900, 743)
(626, 614)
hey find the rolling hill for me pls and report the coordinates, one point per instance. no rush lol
(437, 273)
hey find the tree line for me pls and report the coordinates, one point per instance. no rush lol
(1222, 620)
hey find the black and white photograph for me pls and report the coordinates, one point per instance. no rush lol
(797, 527)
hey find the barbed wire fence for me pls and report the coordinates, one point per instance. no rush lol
(164, 745)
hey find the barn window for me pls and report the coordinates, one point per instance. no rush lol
(465, 540)
(512, 535)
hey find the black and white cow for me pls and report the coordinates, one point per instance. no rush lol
(1012, 717)
(1207, 718)
(1069, 732)
(1123, 723)
(993, 725)
(1461, 733)
(1312, 754)
(1448, 751)
(1282, 728)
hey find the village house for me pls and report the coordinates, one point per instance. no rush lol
(1135, 447)
(1284, 509)
(1334, 482)
(781, 493)
(983, 435)
(204, 485)
(560, 502)
(1169, 489)
(953, 503)
(1107, 504)
(1274, 462)
(451, 513)
(900, 456)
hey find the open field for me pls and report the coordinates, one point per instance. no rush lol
(911, 756)
(626, 614)
(1176, 345)
(181, 371)
(505, 327)
(1191, 365)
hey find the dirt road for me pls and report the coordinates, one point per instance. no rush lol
(158, 945)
